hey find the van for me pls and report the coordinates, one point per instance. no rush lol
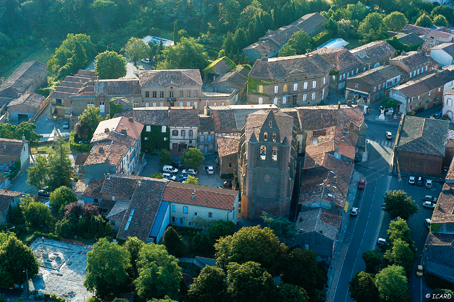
(169, 169)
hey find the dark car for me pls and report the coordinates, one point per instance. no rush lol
(419, 181)
(177, 164)
(43, 193)
(362, 184)
(430, 198)
(66, 125)
(227, 184)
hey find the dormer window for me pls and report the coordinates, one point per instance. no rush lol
(270, 124)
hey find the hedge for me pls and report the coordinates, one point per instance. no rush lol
(321, 38)
(85, 148)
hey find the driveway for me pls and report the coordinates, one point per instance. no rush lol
(45, 124)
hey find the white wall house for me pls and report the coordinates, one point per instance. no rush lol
(399, 97)
(443, 54)
(448, 104)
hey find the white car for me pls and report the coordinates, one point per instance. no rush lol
(428, 204)
(210, 169)
(191, 172)
(354, 211)
(381, 241)
(427, 223)
(169, 169)
(411, 180)
(169, 176)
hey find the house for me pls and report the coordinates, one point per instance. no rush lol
(422, 93)
(437, 35)
(270, 44)
(28, 77)
(156, 131)
(448, 104)
(289, 81)
(372, 85)
(227, 147)
(443, 54)
(228, 88)
(184, 126)
(116, 148)
(25, 107)
(374, 54)
(413, 64)
(60, 102)
(8, 200)
(12, 151)
(340, 143)
(206, 134)
(420, 145)
(200, 206)
(170, 88)
(217, 68)
(409, 41)
(344, 64)
(318, 230)
(266, 164)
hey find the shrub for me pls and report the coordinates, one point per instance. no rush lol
(321, 38)
(85, 148)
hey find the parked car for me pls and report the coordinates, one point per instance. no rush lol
(191, 172)
(381, 241)
(388, 135)
(146, 60)
(209, 169)
(429, 183)
(227, 184)
(182, 178)
(177, 165)
(361, 184)
(169, 169)
(354, 211)
(419, 181)
(169, 176)
(428, 204)
(43, 192)
(411, 180)
(420, 271)
(438, 115)
(427, 223)
(429, 198)
(66, 125)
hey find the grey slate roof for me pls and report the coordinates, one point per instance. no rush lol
(32, 100)
(377, 75)
(148, 116)
(409, 39)
(373, 50)
(118, 87)
(413, 58)
(22, 78)
(11, 147)
(440, 249)
(446, 47)
(319, 220)
(340, 58)
(426, 83)
(206, 123)
(177, 77)
(423, 136)
(184, 117)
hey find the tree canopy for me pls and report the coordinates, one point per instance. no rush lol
(284, 229)
(392, 284)
(398, 204)
(192, 158)
(173, 242)
(399, 229)
(372, 28)
(395, 21)
(362, 288)
(16, 132)
(110, 65)
(136, 49)
(424, 21)
(440, 20)
(91, 117)
(208, 286)
(299, 43)
(192, 180)
(61, 197)
(372, 258)
(38, 215)
(60, 166)
(401, 255)
(187, 54)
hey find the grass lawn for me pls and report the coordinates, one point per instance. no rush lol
(353, 43)
(166, 34)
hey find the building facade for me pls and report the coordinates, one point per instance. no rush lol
(184, 126)
(374, 54)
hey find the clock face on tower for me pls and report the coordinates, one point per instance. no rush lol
(267, 178)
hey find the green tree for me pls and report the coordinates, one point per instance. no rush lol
(240, 39)
(104, 11)
(220, 229)
(300, 42)
(173, 242)
(287, 50)
(292, 293)
(395, 21)
(38, 214)
(192, 158)
(159, 273)
(401, 255)
(362, 288)
(91, 117)
(359, 11)
(250, 282)
(28, 130)
(446, 11)
(284, 229)
(38, 172)
(60, 167)
(136, 49)
(156, 175)
(133, 246)
(399, 229)
(252, 244)
(15, 258)
(392, 284)
(110, 65)
(192, 180)
(228, 44)
(208, 286)
(201, 243)
(440, 20)
(164, 157)
(372, 259)
(372, 28)
(176, 36)
(188, 54)
(106, 268)
(165, 299)
(424, 21)
(398, 204)
(61, 197)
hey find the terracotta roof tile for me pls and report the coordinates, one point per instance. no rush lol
(177, 77)
(148, 116)
(6, 197)
(319, 117)
(32, 100)
(117, 124)
(373, 50)
(413, 58)
(93, 188)
(319, 220)
(206, 123)
(11, 147)
(227, 145)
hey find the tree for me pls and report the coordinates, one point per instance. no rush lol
(399, 229)
(398, 204)
(284, 229)
(250, 282)
(201, 243)
(221, 229)
(176, 36)
(91, 117)
(188, 54)
(362, 288)
(292, 293)
(75, 208)
(15, 258)
(38, 172)
(165, 299)
(287, 50)
(192, 158)
(446, 11)
(38, 215)
(28, 130)
(392, 284)
(440, 20)
(60, 166)
(372, 28)
(173, 242)
(192, 180)
(110, 65)
(401, 255)
(208, 286)
(133, 246)
(61, 197)
(159, 273)
(424, 21)
(136, 49)
(252, 244)
(164, 157)
(372, 259)
(300, 42)
(156, 175)
(395, 21)
(106, 268)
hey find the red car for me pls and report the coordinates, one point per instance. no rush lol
(361, 184)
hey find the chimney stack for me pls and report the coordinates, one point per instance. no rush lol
(193, 197)
(338, 105)
(131, 120)
(124, 131)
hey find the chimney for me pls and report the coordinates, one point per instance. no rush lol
(124, 131)
(106, 130)
(131, 120)
(6, 190)
(338, 105)
(193, 197)
(206, 109)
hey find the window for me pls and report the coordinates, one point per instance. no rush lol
(170, 94)
(439, 89)
(210, 214)
(154, 104)
(356, 70)
(181, 93)
(285, 88)
(174, 146)
(410, 74)
(145, 138)
(284, 100)
(260, 100)
(202, 138)
(188, 104)
(181, 104)
(175, 133)
(270, 124)
(274, 137)
(173, 208)
(196, 94)
(147, 94)
(147, 104)
(148, 128)
(274, 153)
(136, 104)
(418, 70)
(209, 138)
(276, 89)
(314, 84)
(185, 210)
(375, 88)
(262, 152)
(222, 104)
(260, 88)
(183, 132)
(90, 104)
(95, 200)
(154, 94)
(230, 165)
(313, 95)
(188, 94)
(426, 68)
(195, 105)
(295, 86)
(275, 101)
(265, 136)
(195, 213)
(304, 97)
(348, 74)
(430, 92)
(161, 104)
(190, 223)
(161, 94)
(173, 219)
(190, 132)
(324, 81)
